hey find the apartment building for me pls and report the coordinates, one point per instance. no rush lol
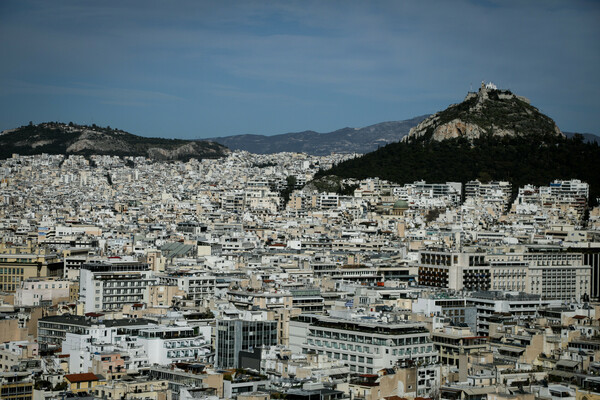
(441, 305)
(42, 291)
(491, 192)
(368, 344)
(108, 286)
(172, 344)
(53, 329)
(484, 305)
(454, 270)
(198, 286)
(450, 191)
(455, 344)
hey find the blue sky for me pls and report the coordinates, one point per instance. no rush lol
(194, 69)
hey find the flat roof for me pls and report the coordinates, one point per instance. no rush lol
(84, 321)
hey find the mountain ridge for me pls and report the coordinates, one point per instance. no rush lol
(343, 140)
(61, 138)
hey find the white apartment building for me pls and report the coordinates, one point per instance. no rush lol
(521, 306)
(40, 291)
(109, 286)
(199, 287)
(171, 344)
(368, 345)
(491, 192)
(113, 336)
(450, 191)
(139, 345)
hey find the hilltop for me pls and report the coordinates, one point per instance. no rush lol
(503, 138)
(490, 111)
(345, 140)
(60, 138)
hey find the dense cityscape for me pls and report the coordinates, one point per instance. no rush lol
(300, 200)
(241, 277)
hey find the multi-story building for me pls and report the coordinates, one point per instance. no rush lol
(368, 345)
(16, 385)
(549, 271)
(454, 270)
(557, 274)
(491, 192)
(12, 353)
(591, 257)
(19, 264)
(262, 300)
(308, 300)
(451, 191)
(484, 305)
(142, 387)
(564, 197)
(42, 291)
(121, 347)
(108, 286)
(53, 329)
(198, 286)
(171, 344)
(455, 343)
(235, 335)
(441, 305)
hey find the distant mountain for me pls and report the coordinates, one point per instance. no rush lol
(486, 139)
(59, 138)
(488, 112)
(345, 140)
(587, 137)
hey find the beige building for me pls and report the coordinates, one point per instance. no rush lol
(145, 389)
(43, 292)
(18, 264)
(388, 382)
(162, 295)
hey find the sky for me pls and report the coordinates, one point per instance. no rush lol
(199, 69)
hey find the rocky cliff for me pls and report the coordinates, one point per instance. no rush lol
(488, 111)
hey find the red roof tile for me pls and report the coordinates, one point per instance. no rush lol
(86, 377)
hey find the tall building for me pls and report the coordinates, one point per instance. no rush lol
(237, 335)
(591, 257)
(108, 286)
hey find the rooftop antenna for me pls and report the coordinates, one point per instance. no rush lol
(471, 87)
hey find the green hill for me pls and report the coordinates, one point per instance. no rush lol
(59, 138)
(534, 159)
